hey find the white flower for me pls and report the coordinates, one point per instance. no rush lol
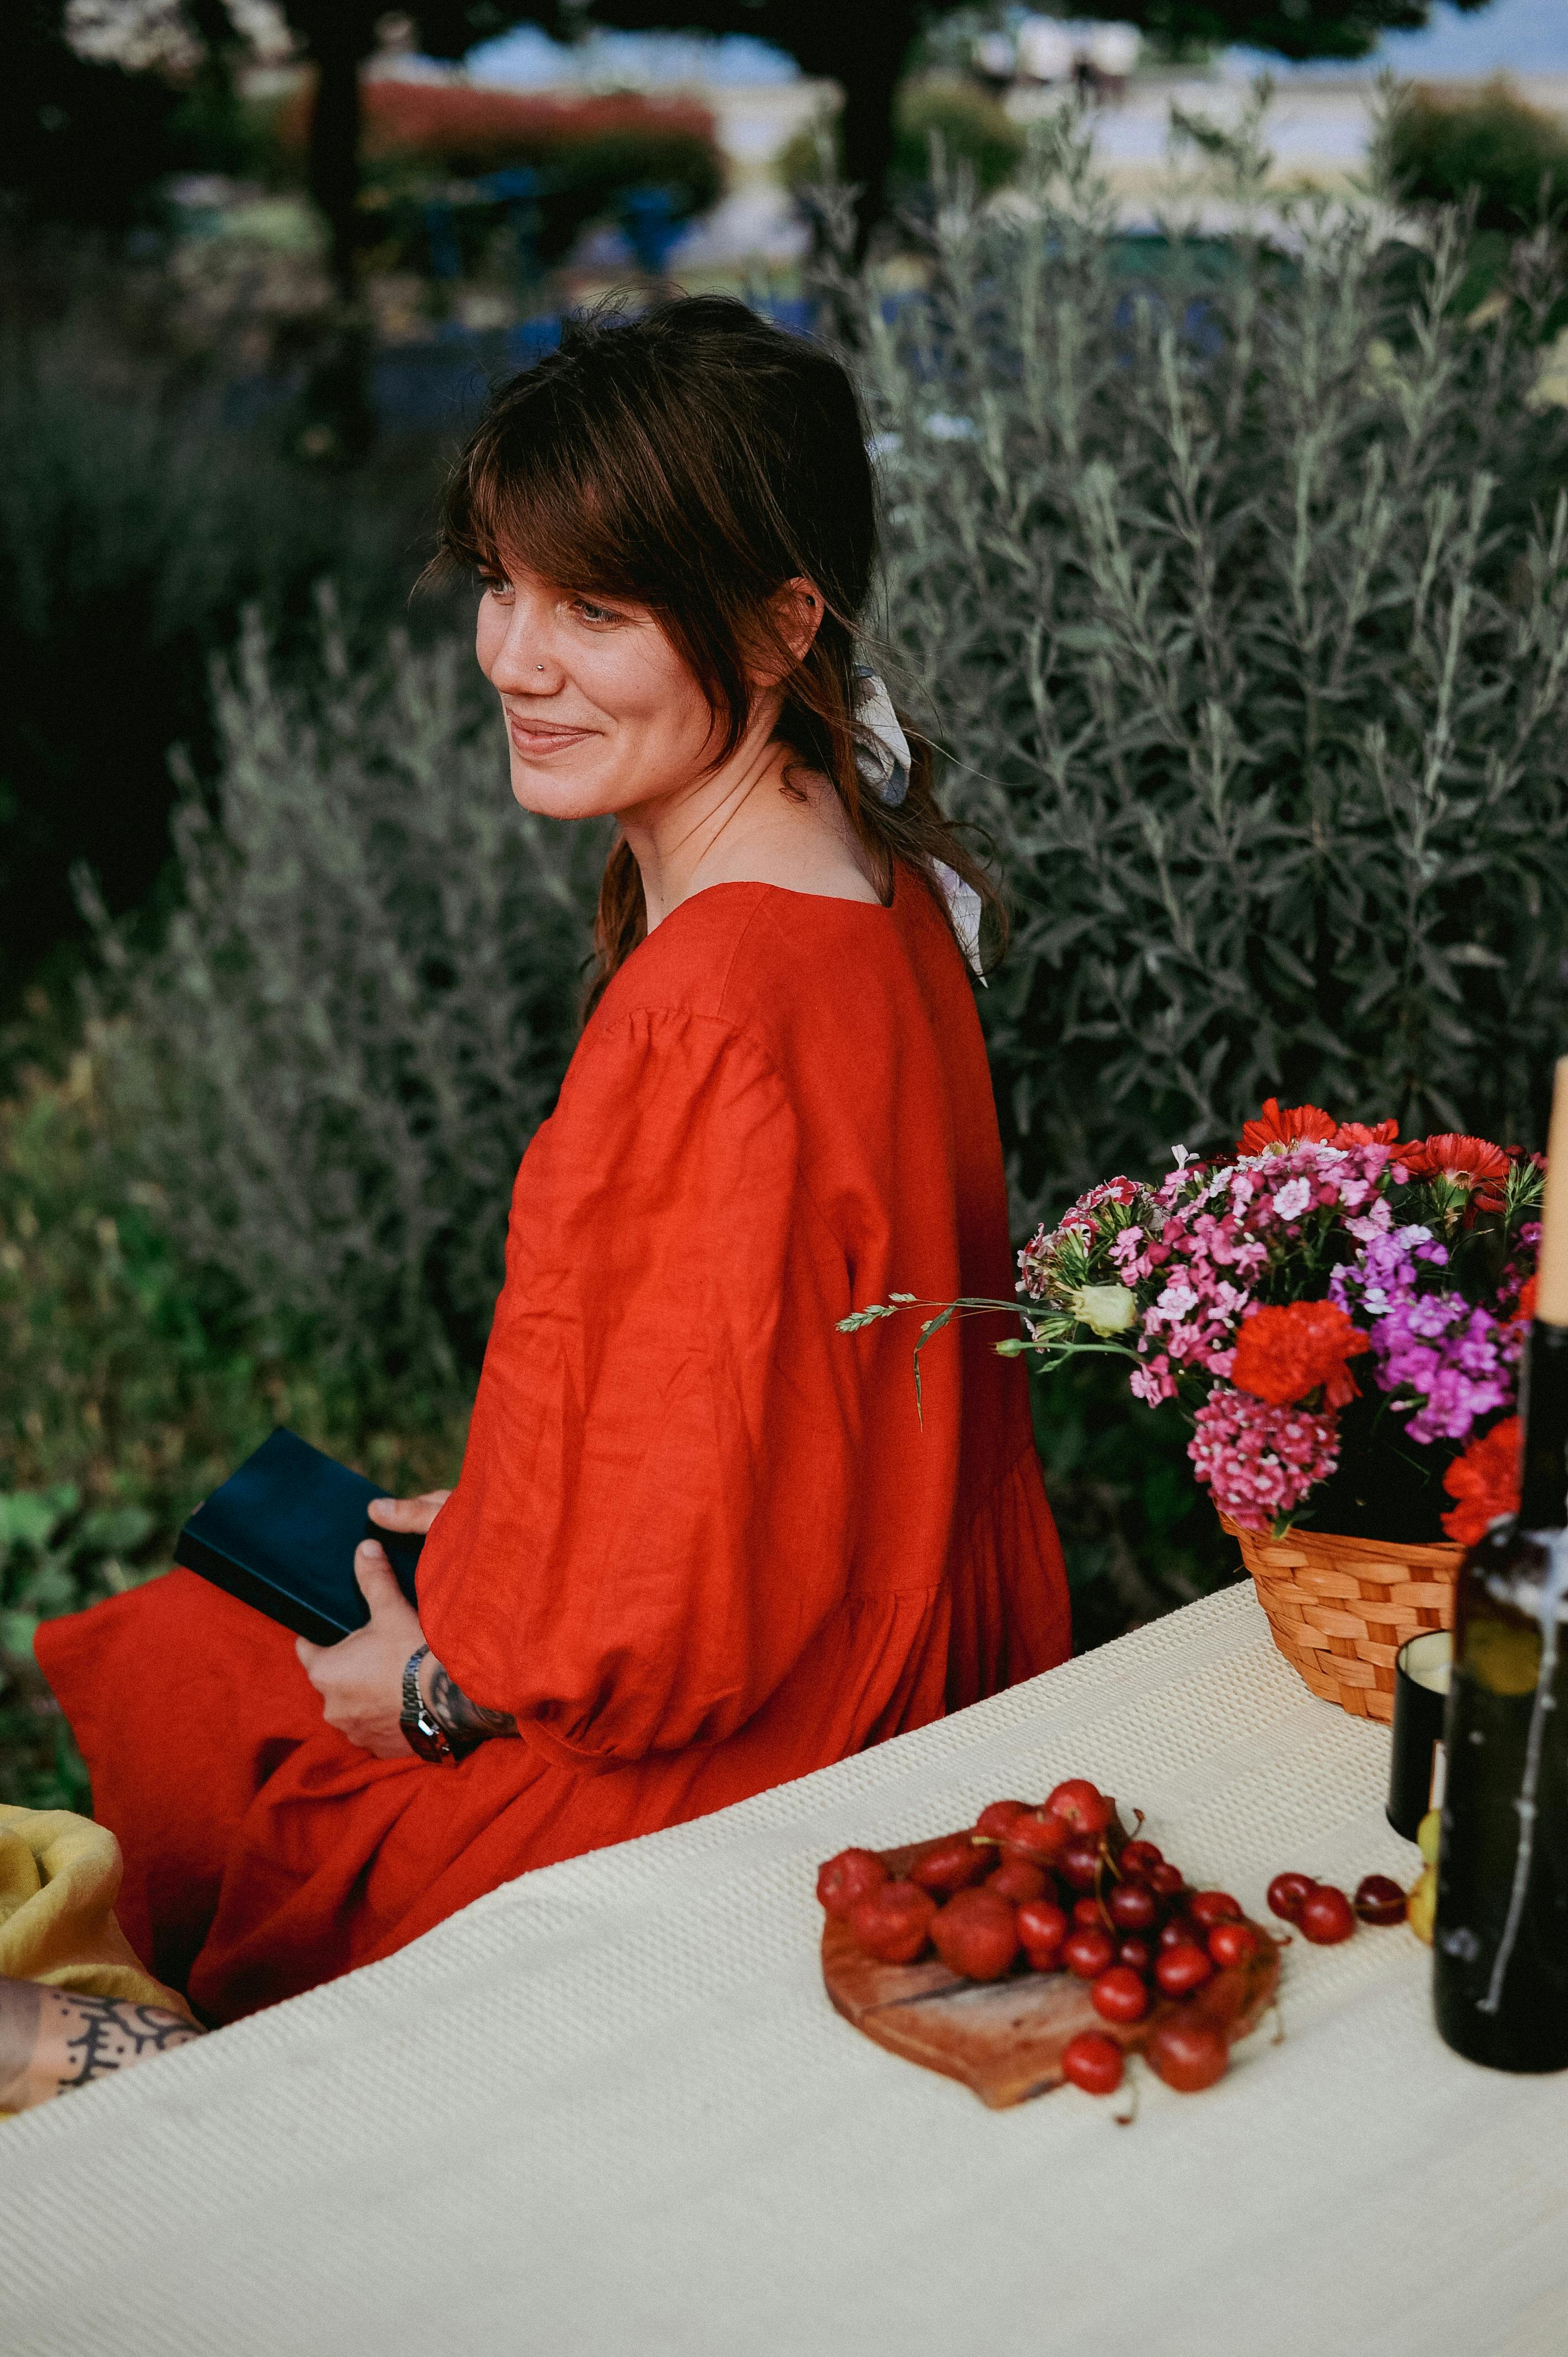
(1104, 1308)
(1294, 1198)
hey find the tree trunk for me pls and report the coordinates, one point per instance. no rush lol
(336, 422)
(867, 61)
(338, 47)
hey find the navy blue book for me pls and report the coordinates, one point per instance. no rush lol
(281, 1534)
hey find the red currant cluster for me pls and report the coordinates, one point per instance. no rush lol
(1045, 1885)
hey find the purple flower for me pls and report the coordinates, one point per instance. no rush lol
(1448, 1364)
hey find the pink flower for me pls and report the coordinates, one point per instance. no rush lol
(1260, 1461)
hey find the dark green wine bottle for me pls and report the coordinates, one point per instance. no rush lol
(1501, 1938)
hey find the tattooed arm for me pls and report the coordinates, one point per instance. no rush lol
(52, 2039)
(464, 1723)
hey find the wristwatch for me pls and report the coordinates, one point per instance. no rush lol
(424, 1735)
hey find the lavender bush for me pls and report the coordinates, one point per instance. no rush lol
(1234, 581)
(362, 1008)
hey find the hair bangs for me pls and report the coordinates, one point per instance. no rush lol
(530, 500)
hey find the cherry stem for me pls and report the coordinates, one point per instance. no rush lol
(1279, 2036)
(1100, 1863)
(1125, 2119)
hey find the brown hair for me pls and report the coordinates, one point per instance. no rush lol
(694, 460)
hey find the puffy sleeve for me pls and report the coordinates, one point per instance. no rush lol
(653, 1519)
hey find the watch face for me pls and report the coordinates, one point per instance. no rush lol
(425, 1738)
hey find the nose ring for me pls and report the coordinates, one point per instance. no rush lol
(539, 666)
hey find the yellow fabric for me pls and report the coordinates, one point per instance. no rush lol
(60, 1877)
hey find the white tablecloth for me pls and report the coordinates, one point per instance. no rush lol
(608, 2112)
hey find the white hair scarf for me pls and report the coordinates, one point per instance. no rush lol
(884, 766)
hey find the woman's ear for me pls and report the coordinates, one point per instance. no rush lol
(797, 612)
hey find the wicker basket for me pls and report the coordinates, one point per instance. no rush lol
(1340, 1608)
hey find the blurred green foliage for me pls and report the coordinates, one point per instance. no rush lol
(130, 1385)
(1138, 1535)
(136, 524)
(1493, 150)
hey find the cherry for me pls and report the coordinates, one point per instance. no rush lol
(1120, 1994)
(997, 1815)
(1093, 2062)
(1042, 1927)
(1136, 1955)
(1212, 1907)
(894, 1922)
(1181, 1932)
(1037, 1837)
(1286, 1892)
(1085, 1914)
(976, 1933)
(853, 1874)
(1188, 2054)
(1182, 1969)
(1233, 1944)
(1378, 1900)
(1079, 1863)
(1081, 1805)
(1326, 1916)
(1226, 1996)
(1017, 1879)
(1133, 1906)
(1166, 1880)
(1088, 1951)
(1139, 1857)
(952, 1865)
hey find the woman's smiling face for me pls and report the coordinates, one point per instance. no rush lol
(602, 714)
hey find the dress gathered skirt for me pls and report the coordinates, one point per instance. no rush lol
(702, 1542)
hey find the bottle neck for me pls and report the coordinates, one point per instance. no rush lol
(1543, 1499)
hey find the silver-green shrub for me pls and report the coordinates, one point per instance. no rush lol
(363, 1007)
(1237, 589)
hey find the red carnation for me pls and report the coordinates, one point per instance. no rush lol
(1274, 1129)
(1466, 1162)
(1284, 1353)
(1485, 1481)
(1357, 1132)
(1525, 1310)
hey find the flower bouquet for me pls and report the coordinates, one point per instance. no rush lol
(1343, 1316)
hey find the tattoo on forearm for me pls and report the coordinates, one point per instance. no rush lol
(52, 2039)
(108, 2034)
(462, 1721)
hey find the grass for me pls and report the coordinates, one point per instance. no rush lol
(127, 1394)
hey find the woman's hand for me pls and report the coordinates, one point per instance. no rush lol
(52, 2039)
(412, 1514)
(359, 1679)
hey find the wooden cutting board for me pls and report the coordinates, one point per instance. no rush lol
(1004, 2038)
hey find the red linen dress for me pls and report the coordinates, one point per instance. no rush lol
(702, 1542)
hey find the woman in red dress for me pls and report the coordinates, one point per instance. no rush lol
(702, 1542)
